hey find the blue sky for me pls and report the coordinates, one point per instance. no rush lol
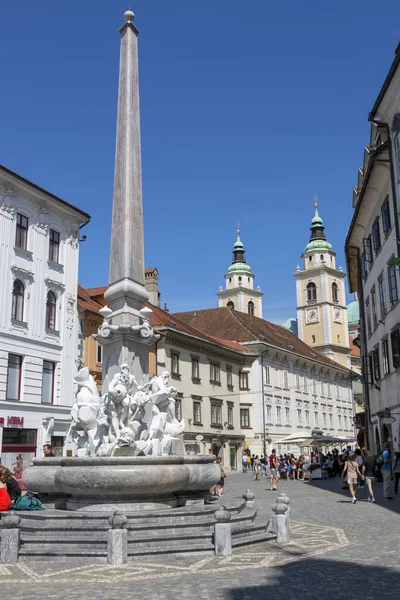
(248, 109)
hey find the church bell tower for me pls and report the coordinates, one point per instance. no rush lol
(240, 293)
(321, 297)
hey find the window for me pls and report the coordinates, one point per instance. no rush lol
(395, 339)
(369, 323)
(215, 373)
(48, 382)
(250, 308)
(197, 413)
(230, 415)
(216, 413)
(21, 234)
(311, 293)
(268, 375)
(314, 387)
(279, 415)
(54, 246)
(322, 388)
(287, 415)
(340, 421)
(243, 380)
(313, 339)
(307, 416)
(298, 388)
(368, 249)
(178, 409)
(386, 222)
(376, 366)
(322, 257)
(337, 392)
(335, 292)
(286, 380)
(397, 152)
(229, 380)
(305, 384)
(345, 421)
(99, 353)
(385, 357)
(51, 310)
(364, 268)
(18, 297)
(268, 413)
(330, 420)
(316, 418)
(324, 419)
(376, 236)
(174, 363)
(195, 368)
(393, 295)
(373, 304)
(244, 418)
(299, 416)
(382, 300)
(329, 390)
(14, 370)
(231, 305)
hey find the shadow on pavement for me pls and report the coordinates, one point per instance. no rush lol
(334, 485)
(313, 579)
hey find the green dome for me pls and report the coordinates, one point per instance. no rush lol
(318, 245)
(239, 266)
(353, 312)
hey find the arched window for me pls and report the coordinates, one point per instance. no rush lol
(231, 304)
(250, 307)
(322, 257)
(240, 278)
(313, 339)
(18, 301)
(311, 293)
(51, 310)
(335, 292)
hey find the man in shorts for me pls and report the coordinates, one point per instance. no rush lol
(273, 469)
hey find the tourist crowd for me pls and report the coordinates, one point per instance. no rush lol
(356, 468)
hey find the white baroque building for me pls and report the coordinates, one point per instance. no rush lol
(39, 236)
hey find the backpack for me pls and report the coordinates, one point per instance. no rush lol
(27, 502)
(379, 460)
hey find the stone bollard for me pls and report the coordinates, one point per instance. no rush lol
(10, 539)
(249, 499)
(117, 540)
(286, 500)
(280, 524)
(222, 532)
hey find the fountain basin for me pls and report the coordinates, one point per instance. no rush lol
(124, 483)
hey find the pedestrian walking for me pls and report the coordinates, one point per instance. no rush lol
(387, 471)
(396, 470)
(352, 471)
(244, 463)
(369, 469)
(257, 469)
(273, 469)
(219, 488)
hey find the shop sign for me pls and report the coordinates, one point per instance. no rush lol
(15, 421)
(1, 421)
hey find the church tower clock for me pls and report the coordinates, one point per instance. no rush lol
(240, 293)
(321, 297)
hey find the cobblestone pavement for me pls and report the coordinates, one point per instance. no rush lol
(338, 551)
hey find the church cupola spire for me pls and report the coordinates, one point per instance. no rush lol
(318, 239)
(240, 293)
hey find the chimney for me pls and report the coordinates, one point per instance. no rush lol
(151, 285)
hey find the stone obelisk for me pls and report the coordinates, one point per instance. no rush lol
(125, 332)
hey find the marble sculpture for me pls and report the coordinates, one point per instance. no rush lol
(131, 419)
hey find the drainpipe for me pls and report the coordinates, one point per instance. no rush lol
(363, 338)
(263, 403)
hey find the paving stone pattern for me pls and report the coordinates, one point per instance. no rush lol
(338, 551)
